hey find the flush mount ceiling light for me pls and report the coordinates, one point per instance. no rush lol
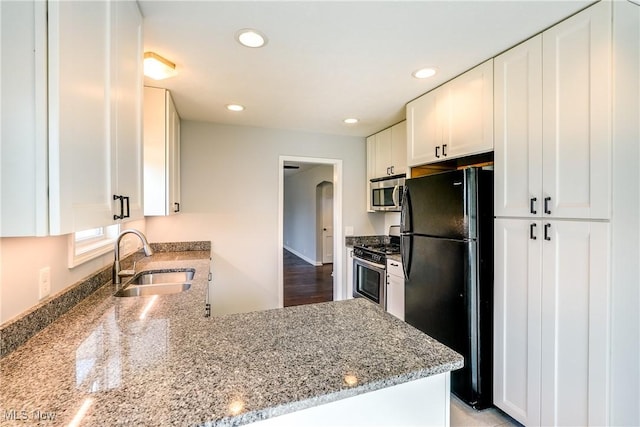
(251, 38)
(351, 121)
(157, 68)
(424, 73)
(235, 107)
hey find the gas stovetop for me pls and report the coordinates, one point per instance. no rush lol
(377, 252)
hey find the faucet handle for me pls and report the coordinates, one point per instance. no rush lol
(130, 272)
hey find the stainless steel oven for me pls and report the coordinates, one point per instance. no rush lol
(369, 279)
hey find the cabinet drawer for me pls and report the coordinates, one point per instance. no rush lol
(395, 268)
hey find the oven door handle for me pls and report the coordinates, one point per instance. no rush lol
(367, 263)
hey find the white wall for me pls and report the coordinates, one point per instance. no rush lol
(21, 261)
(300, 210)
(230, 181)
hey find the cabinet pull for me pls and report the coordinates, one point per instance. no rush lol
(121, 198)
(546, 232)
(176, 207)
(546, 205)
(437, 152)
(126, 198)
(531, 233)
(391, 170)
(444, 150)
(532, 205)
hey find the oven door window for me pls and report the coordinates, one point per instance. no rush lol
(368, 282)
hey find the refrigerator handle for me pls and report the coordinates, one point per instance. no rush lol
(405, 220)
(405, 248)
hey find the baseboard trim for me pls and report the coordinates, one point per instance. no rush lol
(304, 257)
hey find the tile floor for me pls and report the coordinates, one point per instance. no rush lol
(465, 416)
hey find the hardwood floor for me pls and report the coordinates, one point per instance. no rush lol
(305, 283)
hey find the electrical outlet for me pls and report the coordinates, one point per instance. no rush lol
(44, 283)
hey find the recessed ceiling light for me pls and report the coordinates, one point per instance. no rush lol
(350, 121)
(424, 73)
(251, 38)
(235, 107)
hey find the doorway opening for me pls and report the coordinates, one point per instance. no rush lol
(323, 222)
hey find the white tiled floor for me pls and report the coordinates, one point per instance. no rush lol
(465, 416)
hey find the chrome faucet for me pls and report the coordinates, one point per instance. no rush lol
(116, 264)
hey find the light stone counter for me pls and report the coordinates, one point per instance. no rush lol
(158, 361)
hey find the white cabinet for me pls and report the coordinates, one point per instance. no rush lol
(395, 288)
(517, 320)
(518, 130)
(553, 178)
(551, 320)
(95, 90)
(454, 120)
(161, 153)
(23, 121)
(349, 270)
(387, 152)
(576, 90)
(399, 148)
(553, 121)
(126, 89)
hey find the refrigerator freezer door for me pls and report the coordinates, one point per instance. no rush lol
(441, 205)
(441, 300)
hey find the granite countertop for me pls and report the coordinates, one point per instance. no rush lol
(159, 361)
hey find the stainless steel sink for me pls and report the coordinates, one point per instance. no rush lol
(159, 289)
(153, 277)
(157, 282)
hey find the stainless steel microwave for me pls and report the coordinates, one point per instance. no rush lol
(386, 193)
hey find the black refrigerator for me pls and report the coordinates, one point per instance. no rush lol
(447, 254)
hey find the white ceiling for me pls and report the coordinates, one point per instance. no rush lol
(328, 60)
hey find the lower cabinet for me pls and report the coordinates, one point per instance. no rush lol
(551, 321)
(349, 270)
(395, 288)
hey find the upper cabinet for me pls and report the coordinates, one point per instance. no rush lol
(561, 78)
(95, 90)
(387, 152)
(161, 153)
(23, 121)
(454, 120)
(82, 78)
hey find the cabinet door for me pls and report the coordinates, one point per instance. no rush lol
(424, 132)
(517, 317)
(395, 289)
(383, 153)
(399, 148)
(575, 323)
(371, 167)
(81, 181)
(469, 129)
(23, 84)
(518, 130)
(577, 115)
(127, 87)
(349, 270)
(173, 146)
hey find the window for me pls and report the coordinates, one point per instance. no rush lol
(89, 244)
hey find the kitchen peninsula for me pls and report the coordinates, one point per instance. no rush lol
(158, 361)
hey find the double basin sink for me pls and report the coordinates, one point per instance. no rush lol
(157, 282)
